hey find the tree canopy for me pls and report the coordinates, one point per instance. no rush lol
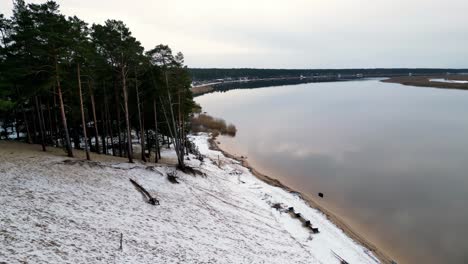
(68, 84)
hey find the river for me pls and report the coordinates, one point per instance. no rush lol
(392, 160)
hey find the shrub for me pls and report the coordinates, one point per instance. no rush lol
(207, 123)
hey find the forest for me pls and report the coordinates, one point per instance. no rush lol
(65, 83)
(208, 74)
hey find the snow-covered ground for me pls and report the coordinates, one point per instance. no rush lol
(447, 81)
(53, 211)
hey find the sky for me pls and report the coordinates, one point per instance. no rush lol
(292, 33)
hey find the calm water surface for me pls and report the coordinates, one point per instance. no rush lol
(392, 160)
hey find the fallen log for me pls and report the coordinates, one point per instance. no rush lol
(342, 261)
(151, 200)
(306, 223)
(172, 177)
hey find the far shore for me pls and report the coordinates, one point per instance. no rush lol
(379, 253)
(202, 89)
(420, 81)
(425, 81)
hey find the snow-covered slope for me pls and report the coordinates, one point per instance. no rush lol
(53, 211)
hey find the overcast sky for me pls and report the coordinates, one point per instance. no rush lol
(292, 33)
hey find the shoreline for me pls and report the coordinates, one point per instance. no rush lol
(379, 253)
(424, 81)
(229, 204)
(202, 89)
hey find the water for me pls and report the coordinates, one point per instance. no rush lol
(392, 160)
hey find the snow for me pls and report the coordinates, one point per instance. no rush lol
(447, 81)
(9, 132)
(74, 212)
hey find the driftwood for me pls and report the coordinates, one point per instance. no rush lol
(306, 223)
(172, 177)
(277, 206)
(342, 261)
(121, 242)
(190, 170)
(145, 193)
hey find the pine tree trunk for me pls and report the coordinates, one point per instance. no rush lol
(117, 105)
(109, 122)
(62, 111)
(83, 121)
(15, 113)
(184, 135)
(40, 124)
(172, 132)
(75, 136)
(93, 107)
(49, 113)
(34, 123)
(148, 141)
(142, 129)
(29, 140)
(181, 126)
(57, 131)
(26, 124)
(127, 118)
(156, 141)
(104, 129)
(176, 136)
(43, 121)
(144, 138)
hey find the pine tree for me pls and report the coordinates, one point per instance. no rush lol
(46, 63)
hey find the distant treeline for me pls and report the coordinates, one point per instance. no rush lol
(226, 86)
(199, 74)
